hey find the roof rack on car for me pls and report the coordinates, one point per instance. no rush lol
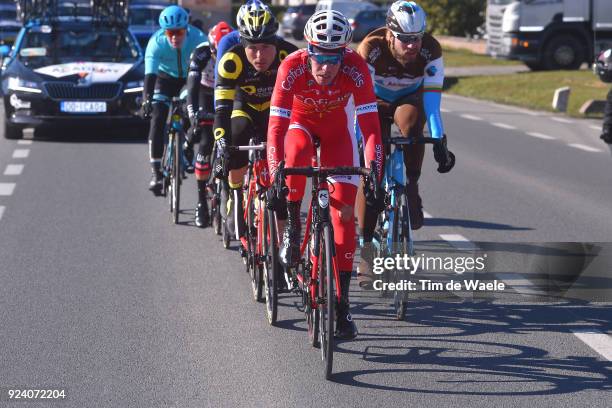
(107, 12)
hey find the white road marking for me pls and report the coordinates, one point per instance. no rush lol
(444, 110)
(2, 208)
(427, 215)
(28, 133)
(470, 117)
(597, 128)
(584, 147)
(24, 142)
(503, 125)
(519, 284)
(459, 241)
(540, 136)
(598, 341)
(21, 153)
(6, 189)
(562, 120)
(13, 169)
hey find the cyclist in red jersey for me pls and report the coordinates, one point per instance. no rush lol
(318, 92)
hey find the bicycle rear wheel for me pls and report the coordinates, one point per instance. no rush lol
(327, 300)
(270, 265)
(176, 178)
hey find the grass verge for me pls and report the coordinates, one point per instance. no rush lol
(533, 90)
(465, 58)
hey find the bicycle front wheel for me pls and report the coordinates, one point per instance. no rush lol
(176, 179)
(327, 300)
(253, 264)
(271, 265)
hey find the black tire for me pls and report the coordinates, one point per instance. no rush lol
(404, 247)
(176, 179)
(8, 131)
(563, 52)
(326, 310)
(271, 266)
(298, 35)
(312, 314)
(535, 65)
(398, 301)
(224, 192)
(11, 132)
(215, 212)
(253, 265)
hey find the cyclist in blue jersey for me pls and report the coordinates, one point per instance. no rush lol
(166, 65)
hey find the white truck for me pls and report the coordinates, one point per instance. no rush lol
(549, 34)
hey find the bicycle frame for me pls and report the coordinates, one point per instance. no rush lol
(174, 127)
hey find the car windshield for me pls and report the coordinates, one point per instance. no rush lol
(50, 47)
(349, 10)
(144, 16)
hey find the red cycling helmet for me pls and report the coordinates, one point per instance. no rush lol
(216, 33)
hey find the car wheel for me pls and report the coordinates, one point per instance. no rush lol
(298, 35)
(563, 52)
(7, 130)
(11, 132)
(535, 66)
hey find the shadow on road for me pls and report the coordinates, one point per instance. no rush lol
(108, 134)
(470, 367)
(450, 222)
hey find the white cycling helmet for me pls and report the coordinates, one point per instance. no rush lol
(406, 17)
(328, 29)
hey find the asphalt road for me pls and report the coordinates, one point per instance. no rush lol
(102, 296)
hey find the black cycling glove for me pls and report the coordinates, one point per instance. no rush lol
(444, 157)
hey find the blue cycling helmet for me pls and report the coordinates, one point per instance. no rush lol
(173, 18)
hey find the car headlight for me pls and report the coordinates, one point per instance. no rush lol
(18, 84)
(134, 87)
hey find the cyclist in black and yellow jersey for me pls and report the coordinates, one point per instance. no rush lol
(246, 74)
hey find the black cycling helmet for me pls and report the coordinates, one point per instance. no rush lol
(256, 23)
(603, 65)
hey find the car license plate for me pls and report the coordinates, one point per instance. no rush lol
(82, 107)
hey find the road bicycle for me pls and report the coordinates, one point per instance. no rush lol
(173, 160)
(253, 247)
(393, 234)
(318, 281)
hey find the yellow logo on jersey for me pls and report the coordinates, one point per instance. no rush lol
(250, 89)
(219, 133)
(225, 66)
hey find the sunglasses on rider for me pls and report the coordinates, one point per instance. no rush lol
(408, 38)
(178, 33)
(332, 59)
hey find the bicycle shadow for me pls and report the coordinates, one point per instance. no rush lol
(450, 222)
(477, 362)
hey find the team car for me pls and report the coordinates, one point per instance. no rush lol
(71, 69)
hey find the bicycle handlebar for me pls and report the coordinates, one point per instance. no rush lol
(368, 173)
(261, 146)
(402, 141)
